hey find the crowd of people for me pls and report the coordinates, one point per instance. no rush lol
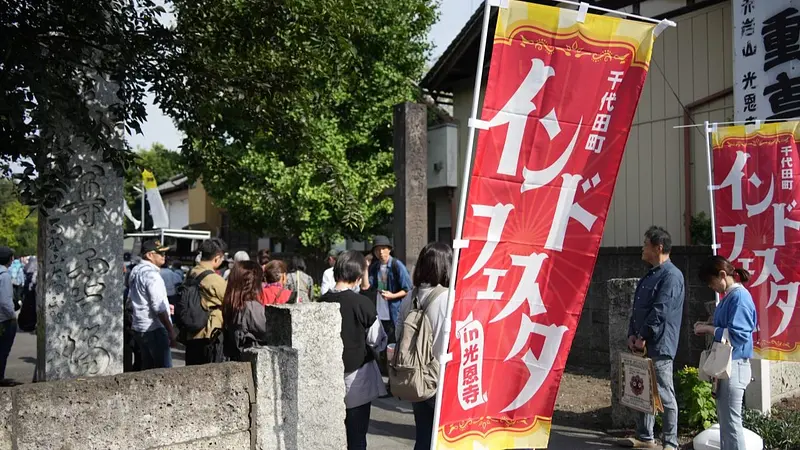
(216, 312)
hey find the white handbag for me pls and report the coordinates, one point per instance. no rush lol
(717, 362)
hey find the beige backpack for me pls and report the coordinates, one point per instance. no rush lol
(414, 369)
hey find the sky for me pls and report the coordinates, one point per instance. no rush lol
(453, 14)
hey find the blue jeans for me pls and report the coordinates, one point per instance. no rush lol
(645, 422)
(154, 349)
(8, 331)
(423, 419)
(729, 405)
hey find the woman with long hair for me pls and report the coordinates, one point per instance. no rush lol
(243, 310)
(274, 281)
(431, 282)
(736, 314)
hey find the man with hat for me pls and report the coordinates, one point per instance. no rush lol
(151, 324)
(392, 281)
(8, 320)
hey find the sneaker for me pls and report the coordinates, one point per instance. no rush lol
(636, 443)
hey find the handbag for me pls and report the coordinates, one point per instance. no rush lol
(638, 383)
(717, 363)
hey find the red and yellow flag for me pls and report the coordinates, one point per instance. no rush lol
(756, 187)
(558, 109)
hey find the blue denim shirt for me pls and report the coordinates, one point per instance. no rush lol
(737, 313)
(658, 310)
(395, 285)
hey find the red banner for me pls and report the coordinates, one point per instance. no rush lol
(558, 109)
(758, 225)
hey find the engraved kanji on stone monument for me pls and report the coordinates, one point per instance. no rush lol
(80, 286)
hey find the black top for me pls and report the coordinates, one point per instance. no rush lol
(358, 315)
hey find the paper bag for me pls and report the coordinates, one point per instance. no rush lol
(638, 386)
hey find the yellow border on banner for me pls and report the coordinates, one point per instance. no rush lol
(560, 23)
(766, 131)
(537, 436)
(774, 354)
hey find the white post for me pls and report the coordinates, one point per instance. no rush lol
(144, 219)
(462, 206)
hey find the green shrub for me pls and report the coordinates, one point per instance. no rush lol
(780, 430)
(697, 409)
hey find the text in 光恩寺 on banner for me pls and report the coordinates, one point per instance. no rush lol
(559, 104)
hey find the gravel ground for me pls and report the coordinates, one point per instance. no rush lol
(584, 399)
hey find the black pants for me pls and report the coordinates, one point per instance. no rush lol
(197, 352)
(423, 418)
(356, 423)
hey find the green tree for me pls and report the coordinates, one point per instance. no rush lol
(50, 51)
(287, 108)
(18, 225)
(164, 164)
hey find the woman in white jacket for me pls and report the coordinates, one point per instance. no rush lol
(432, 269)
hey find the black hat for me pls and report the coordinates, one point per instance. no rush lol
(6, 253)
(153, 246)
(381, 241)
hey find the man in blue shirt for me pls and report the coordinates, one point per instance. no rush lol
(8, 320)
(655, 328)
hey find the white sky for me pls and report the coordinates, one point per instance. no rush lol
(453, 14)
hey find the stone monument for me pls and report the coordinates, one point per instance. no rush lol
(411, 189)
(300, 379)
(79, 289)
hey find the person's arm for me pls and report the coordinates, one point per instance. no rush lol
(667, 294)
(327, 282)
(217, 288)
(6, 296)
(310, 285)
(376, 336)
(157, 301)
(404, 282)
(740, 322)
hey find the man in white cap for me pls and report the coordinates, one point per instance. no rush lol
(240, 256)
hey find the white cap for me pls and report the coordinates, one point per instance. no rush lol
(240, 256)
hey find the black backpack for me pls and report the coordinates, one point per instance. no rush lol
(190, 317)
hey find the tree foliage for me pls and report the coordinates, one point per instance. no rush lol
(287, 107)
(18, 224)
(50, 51)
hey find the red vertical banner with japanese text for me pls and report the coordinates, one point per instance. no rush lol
(559, 104)
(755, 188)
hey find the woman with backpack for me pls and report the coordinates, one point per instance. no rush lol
(362, 337)
(274, 281)
(297, 280)
(427, 302)
(244, 323)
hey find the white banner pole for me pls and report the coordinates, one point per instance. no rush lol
(462, 206)
(710, 129)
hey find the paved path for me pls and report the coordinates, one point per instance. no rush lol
(392, 428)
(391, 425)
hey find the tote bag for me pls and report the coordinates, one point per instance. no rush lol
(717, 361)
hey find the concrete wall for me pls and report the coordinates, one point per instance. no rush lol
(590, 346)
(205, 407)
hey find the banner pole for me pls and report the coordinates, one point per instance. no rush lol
(714, 245)
(462, 206)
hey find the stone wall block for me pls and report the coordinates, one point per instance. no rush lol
(620, 294)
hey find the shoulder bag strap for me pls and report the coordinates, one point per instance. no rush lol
(435, 292)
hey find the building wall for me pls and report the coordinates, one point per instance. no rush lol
(177, 205)
(694, 60)
(202, 212)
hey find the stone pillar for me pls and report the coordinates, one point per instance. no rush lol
(411, 189)
(80, 286)
(300, 381)
(619, 294)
